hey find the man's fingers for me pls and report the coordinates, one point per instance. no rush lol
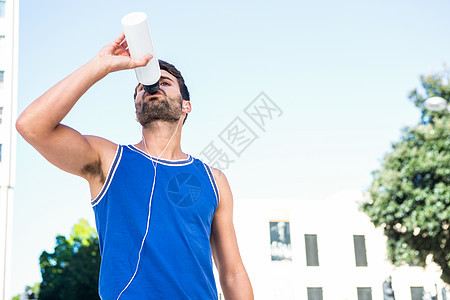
(135, 63)
(120, 39)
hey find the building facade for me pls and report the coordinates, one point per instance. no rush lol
(315, 250)
(9, 26)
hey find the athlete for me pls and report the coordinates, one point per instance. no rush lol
(161, 215)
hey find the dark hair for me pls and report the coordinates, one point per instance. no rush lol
(164, 65)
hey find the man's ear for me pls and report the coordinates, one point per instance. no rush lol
(187, 106)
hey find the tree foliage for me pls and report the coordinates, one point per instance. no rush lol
(410, 193)
(71, 271)
(32, 292)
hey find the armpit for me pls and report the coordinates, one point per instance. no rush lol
(95, 170)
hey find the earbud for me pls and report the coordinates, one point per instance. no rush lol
(185, 106)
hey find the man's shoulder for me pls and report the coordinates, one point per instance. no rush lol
(216, 172)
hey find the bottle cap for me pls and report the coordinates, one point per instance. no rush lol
(152, 89)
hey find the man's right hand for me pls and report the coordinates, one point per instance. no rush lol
(116, 56)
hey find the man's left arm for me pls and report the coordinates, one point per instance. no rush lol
(233, 276)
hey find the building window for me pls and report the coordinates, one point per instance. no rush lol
(280, 241)
(1, 115)
(2, 76)
(417, 292)
(315, 293)
(2, 8)
(360, 250)
(364, 293)
(0, 152)
(312, 251)
(2, 40)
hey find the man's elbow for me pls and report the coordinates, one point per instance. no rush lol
(22, 126)
(27, 129)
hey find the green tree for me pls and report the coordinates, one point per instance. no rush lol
(71, 271)
(34, 289)
(410, 193)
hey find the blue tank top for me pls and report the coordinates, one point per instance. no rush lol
(176, 260)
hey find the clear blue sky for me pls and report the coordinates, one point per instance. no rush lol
(339, 70)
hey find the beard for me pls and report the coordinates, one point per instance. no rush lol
(166, 109)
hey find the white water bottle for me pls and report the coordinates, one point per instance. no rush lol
(137, 33)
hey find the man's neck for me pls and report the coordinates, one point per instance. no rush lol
(162, 139)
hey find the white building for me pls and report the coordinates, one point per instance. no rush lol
(9, 26)
(314, 250)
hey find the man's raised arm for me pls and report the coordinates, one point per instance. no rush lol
(64, 147)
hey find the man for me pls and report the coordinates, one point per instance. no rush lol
(160, 213)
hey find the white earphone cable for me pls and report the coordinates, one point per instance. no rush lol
(155, 164)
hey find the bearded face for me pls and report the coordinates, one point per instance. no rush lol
(151, 108)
